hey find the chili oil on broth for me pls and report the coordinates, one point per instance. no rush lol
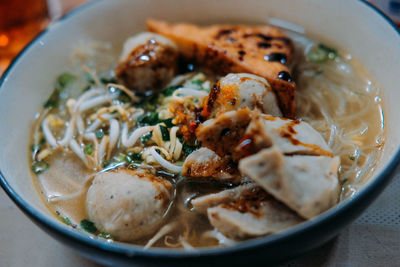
(337, 97)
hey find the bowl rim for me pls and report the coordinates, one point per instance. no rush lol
(135, 250)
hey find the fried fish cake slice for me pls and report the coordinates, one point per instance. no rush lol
(261, 50)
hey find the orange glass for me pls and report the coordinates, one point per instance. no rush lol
(20, 22)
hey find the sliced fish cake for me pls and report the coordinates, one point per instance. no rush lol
(261, 50)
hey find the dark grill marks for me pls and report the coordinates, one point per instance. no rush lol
(263, 45)
(241, 54)
(276, 57)
(285, 76)
(223, 32)
(213, 95)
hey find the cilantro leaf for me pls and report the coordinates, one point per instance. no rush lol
(88, 226)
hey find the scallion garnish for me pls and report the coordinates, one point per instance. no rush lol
(88, 149)
(321, 53)
(88, 226)
(168, 123)
(40, 166)
(146, 137)
(164, 133)
(188, 149)
(62, 81)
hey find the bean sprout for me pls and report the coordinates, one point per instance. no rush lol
(134, 137)
(51, 140)
(167, 165)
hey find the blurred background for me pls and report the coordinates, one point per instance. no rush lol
(21, 21)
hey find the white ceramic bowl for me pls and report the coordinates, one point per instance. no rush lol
(351, 24)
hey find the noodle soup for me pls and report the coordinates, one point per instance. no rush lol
(93, 130)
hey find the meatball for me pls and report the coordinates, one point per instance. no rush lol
(128, 204)
(148, 62)
(235, 91)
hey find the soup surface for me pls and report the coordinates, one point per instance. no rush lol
(164, 155)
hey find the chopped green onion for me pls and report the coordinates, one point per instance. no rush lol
(170, 90)
(89, 78)
(38, 146)
(107, 163)
(133, 158)
(120, 158)
(351, 157)
(188, 149)
(105, 236)
(332, 53)
(317, 55)
(86, 88)
(149, 118)
(66, 220)
(318, 72)
(88, 226)
(197, 82)
(164, 133)
(52, 102)
(150, 102)
(321, 53)
(88, 149)
(124, 97)
(107, 81)
(168, 123)
(99, 133)
(39, 167)
(146, 137)
(63, 80)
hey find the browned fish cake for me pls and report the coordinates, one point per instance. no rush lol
(261, 50)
